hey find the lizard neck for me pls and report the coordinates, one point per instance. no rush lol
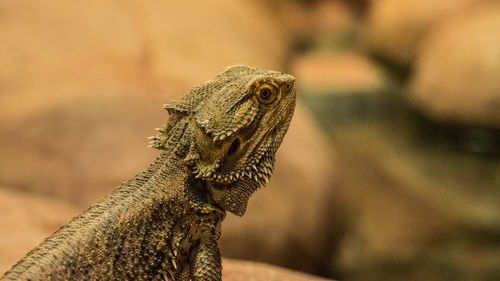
(172, 173)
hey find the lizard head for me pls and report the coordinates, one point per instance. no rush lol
(238, 122)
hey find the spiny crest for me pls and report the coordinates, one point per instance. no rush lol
(170, 135)
(190, 101)
(158, 141)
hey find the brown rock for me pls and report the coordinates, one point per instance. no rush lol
(316, 19)
(201, 38)
(237, 270)
(52, 49)
(394, 28)
(82, 149)
(25, 221)
(457, 72)
(335, 71)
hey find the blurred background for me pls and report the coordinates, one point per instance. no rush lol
(390, 169)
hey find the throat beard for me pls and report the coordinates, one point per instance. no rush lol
(233, 197)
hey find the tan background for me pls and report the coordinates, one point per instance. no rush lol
(355, 196)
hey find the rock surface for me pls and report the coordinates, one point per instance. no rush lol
(394, 28)
(457, 72)
(82, 149)
(26, 220)
(236, 270)
(337, 71)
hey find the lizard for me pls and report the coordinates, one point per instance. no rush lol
(216, 149)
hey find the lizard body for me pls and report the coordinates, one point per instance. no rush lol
(217, 148)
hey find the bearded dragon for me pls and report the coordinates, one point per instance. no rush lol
(217, 147)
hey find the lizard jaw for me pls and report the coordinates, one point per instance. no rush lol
(257, 167)
(257, 163)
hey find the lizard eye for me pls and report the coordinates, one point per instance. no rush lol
(266, 94)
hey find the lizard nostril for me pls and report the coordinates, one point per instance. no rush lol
(234, 146)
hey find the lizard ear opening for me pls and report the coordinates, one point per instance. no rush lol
(234, 147)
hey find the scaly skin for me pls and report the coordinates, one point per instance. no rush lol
(217, 148)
